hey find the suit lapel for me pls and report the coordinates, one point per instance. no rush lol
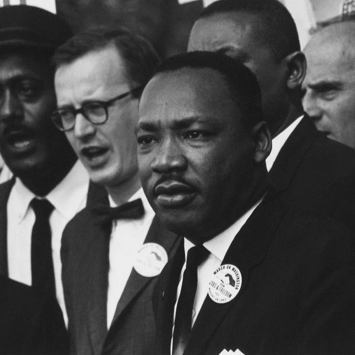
(97, 261)
(136, 282)
(292, 153)
(5, 190)
(248, 250)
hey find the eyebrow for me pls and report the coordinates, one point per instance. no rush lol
(177, 124)
(234, 53)
(324, 84)
(85, 102)
(146, 126)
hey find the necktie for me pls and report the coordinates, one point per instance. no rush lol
(41, 249)
(129, 210)
(183, 318)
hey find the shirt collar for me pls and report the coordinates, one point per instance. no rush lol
(66, 197)
(279, 141)
(219, 245)
(22, 198)
(70, 193)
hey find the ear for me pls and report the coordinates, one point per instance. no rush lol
(262, 142)
(296, 66)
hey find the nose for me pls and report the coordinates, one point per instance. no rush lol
(11, 106)
(83, 128)
(311, 106)
(169, 158)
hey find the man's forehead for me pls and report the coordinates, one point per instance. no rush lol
(187, 83)
(94, 71)
(226, 24)
(23, 64)
(327, 59)
(184, 97)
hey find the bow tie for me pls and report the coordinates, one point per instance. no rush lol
(129, 210)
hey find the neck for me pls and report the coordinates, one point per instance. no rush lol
(295, 111)
(43, 180)
(121, 192)
(254, 191)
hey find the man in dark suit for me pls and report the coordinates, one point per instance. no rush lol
(258, 278)
(29, 325)
(46, 170)
(307, 170)
(110, 260)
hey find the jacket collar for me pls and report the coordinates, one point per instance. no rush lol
(292, 154)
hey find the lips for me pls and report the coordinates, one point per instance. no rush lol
(94, 155)
(19, 140)
(172, 194)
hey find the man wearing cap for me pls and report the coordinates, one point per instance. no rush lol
(251, 276)
(111, 257)
(49, 185)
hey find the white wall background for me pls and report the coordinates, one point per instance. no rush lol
(325, 9)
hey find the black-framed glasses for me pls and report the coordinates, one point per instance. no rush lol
(94, 111)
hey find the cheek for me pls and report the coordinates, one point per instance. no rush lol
(43, 107)
(144, 166)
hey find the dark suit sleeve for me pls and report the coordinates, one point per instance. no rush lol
(29, 325)
(327, 315)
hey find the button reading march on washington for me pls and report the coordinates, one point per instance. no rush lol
(151, 259)
(225, 284)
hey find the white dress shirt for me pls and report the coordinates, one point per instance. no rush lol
(279, 141)
(218, 247)
(5, 174)
(127, 237)
(68, 198)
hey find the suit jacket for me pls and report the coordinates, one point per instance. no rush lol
(316, 174)
(297, 294)
(29, 325)
(85, 257)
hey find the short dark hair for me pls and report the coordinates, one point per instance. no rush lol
(240, 81)
(140, 57)
(278, 29)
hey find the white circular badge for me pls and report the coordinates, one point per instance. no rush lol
(225, 284)
(151, 259)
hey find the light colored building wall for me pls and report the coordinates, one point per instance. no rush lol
(326, 9)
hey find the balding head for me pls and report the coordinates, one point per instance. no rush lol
(330, 81)
(338, 38)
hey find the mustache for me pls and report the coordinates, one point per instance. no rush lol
(17, 127)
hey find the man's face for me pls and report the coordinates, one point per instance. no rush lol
(108, 151)
(238, 35)
(329, 90)
(28, 139)
(195, 157)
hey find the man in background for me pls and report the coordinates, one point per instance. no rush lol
(307, 170)
(329, 86)
(111, 258)
(49, 185)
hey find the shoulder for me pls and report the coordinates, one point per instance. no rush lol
(327, 150)
(316, 238)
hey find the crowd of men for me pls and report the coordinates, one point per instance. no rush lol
(200, 205)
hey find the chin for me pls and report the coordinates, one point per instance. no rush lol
(177, 222)
(101, 178)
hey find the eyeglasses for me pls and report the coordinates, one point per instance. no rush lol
(95, 112)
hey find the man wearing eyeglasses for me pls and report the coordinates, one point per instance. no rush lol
(111, 257)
